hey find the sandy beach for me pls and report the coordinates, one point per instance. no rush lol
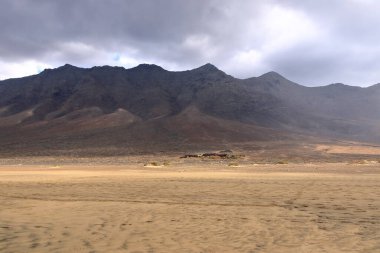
(264, 208)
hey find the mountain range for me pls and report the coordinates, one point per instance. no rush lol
(149, 109)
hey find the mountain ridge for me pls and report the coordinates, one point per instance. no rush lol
(155, 104)
(207, 66)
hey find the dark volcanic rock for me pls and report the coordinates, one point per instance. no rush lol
(150, 107)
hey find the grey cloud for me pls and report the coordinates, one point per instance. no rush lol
(34, 28)
(185, 34)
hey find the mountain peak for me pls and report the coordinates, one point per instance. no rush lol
(146, 66)
(208, 67)
(272, 75)
(68, 66)
(275, 79)
(340, 86)
(375, 86)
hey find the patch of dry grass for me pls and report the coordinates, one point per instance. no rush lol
(152, 164)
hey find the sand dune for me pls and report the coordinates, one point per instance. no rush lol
(300, 208)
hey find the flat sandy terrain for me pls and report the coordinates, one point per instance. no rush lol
(262, 208)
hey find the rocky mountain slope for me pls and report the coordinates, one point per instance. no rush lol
(148, 108)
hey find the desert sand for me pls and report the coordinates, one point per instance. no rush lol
(187, 208)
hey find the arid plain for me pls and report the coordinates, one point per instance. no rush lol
(184, 206)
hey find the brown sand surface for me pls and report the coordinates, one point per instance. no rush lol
(350, 149)
(179, 208)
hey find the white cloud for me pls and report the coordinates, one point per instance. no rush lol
(20, 69)
(243, 62)
(284, 27)
(274, 30)
(127, 61)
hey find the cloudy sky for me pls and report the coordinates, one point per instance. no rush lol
(308, 41)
